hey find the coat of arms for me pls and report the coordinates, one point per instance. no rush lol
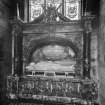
(72, 11)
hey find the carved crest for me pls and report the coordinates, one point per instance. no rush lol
(72, 11)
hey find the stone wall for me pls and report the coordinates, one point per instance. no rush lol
(5, 47)
(101, 54)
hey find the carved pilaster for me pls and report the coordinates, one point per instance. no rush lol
(87, 47)
(17, 49)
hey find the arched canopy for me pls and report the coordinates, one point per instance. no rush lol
(36, 44)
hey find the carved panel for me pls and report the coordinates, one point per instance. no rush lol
(64, 90)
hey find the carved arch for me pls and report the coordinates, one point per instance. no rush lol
(35, 44)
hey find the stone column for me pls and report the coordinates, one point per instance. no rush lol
(101, 53)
